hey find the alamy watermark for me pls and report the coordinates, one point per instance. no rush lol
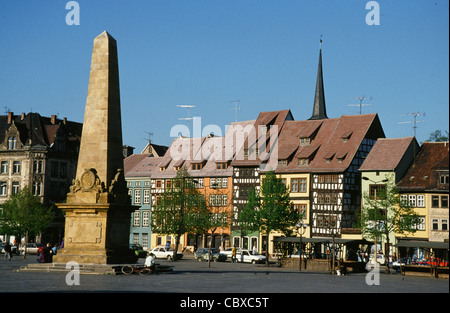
(73, 277)
(73, 16)
(373, 17)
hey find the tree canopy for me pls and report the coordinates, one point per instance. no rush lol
(270, 209)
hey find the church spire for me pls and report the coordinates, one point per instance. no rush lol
(319, 109)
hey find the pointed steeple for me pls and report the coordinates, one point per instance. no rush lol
(319, 109)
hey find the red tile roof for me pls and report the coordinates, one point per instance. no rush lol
(327, 142)
(387, 153)
(423, 175)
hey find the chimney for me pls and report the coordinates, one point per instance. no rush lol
(53, 120)
(22, 116)
(10, 117)
(65, 120)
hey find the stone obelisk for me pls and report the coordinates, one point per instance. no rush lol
(97, 209)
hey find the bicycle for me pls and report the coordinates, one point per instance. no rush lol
(130, 269)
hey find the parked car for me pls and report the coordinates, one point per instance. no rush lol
(396, 264)
(380, 259)
(229, 252)
(216, 256)
(138, 250)
(247, 256)
(32, 248)
(164, 253)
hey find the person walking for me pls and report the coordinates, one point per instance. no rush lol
(8, 251)
(233, 255)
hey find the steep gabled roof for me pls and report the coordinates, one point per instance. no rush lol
(387, 153)
(327, 150)
(423, 174)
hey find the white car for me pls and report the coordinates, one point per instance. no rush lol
(247, 256)
(380, 259)
(164, 253)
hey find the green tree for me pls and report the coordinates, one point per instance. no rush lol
(438, 136)
(180, 210)
(269, 210)
(388, 212)
(23, 213)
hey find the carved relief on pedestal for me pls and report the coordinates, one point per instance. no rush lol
(83, 232)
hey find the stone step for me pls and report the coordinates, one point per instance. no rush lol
(100, 269)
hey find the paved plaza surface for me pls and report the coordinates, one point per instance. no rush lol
(190, 276)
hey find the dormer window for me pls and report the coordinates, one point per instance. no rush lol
(346, 136)
(304, 141)
(221, 166)
(282, 162)
(303, 161)
(196, 166)
(444, 178)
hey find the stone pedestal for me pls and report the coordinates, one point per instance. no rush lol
(96, 234)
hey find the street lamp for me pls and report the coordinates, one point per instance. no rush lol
(301, 228)
(375, 257)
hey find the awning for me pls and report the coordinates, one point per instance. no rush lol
(421, 244)
(320, 240)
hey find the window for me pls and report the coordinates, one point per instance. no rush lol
(4, 167)
(196, 166)
(282, 162)
(379, 190)
(37, 167)
(137, 219)
(145, 240)
(15, 187)
(305, 141)
(434, 201)
(302, 185)
(37, 188)
(158, 184)
(145, 218)
(435, 224)
(12, 143)
(294, 185)
(218, 182)
(136, 238)
(421, 224)
(16, 167)
(444, 224)
(444, 201)
(218, 200)
(137, 196)
(146, 196)
(298, 185)
(303, 161)
(444, 179)
(221, 166)
(420, 201)
(301, 208)
(3, 188)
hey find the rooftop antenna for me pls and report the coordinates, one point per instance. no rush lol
(189, 107)
(236, 108)
(149, 137)
(360, 105)
(415, 120)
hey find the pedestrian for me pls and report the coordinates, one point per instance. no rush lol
(47, 255)
(54, 249)
(8, 251)
(233, 255)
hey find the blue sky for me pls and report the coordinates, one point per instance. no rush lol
(208, 53)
